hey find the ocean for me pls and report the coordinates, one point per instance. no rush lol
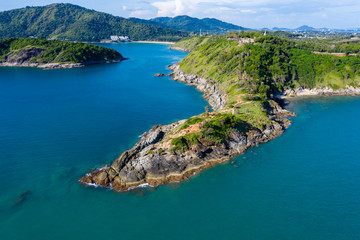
(55, 125)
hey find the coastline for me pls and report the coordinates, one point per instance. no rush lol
(57, 65)
(178, 49)
(147, 163)
(300, 92)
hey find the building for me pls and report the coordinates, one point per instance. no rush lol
(120, 38)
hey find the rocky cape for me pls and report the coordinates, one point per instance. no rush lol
(153, 162)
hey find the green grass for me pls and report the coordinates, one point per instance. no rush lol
(190, 43)
(191, 121)
(183, 144)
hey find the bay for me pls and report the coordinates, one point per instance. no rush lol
(57, 124)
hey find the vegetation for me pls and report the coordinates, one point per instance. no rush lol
(190, 24)
(251, 68)
(182, 144)
(191, 121)
(54, 51)
(190, 43)
(268, 66)
(346, 46)
(71, 22)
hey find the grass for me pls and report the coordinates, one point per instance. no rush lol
(182, 144)
(191, 43)
(191, 121)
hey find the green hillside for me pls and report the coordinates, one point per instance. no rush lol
(251, 69)
(67, 21)
(189, 44)
(190, 24)
(52, 51)
(269, 66)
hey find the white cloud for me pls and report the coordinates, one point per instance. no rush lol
(180, 7)
(141, 13)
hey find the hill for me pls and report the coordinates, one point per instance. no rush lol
(305, 28)
(39, 52)
(190, 24)
(75, 23)
(271, 64)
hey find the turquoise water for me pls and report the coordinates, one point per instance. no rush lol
(57, 124)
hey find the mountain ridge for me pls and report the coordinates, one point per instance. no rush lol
(76, 23)
(197, 25)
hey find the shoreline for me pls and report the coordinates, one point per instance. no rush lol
(145, 164)
(178, 49)
(304, 92)
(58, 65)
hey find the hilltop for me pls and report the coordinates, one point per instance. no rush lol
(75, 23)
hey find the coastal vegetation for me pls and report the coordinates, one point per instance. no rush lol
(252, 69)
(190, 43)
(33, 50)
(75, 23)
(269, 65)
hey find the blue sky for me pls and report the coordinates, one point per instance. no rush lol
(248, 13)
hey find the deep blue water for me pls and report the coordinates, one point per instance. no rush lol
(57, 124)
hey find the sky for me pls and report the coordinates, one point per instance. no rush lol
(247, 13)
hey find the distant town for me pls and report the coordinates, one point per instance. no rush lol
(116, 39)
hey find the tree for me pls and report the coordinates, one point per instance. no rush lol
(207, 109)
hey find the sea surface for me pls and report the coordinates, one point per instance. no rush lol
(55, 125)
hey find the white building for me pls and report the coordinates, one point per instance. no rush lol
(120, 38)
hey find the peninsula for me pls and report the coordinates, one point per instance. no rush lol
(243, 77)
(31, 52)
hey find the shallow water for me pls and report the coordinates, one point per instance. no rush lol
(57, 124)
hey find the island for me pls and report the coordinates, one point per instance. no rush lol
(49, 54)
(244, 77)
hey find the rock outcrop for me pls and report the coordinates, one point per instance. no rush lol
(348, 91)
(159, 75)
(179, 48)
(216, 98)
(153, 161)
(23, 55)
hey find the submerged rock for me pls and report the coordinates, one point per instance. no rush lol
(23, 197)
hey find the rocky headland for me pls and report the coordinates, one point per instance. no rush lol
(163, 154)
(51, 54)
